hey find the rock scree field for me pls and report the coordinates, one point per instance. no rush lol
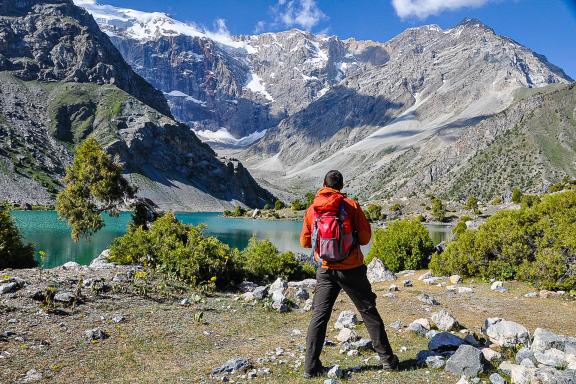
(120, 324)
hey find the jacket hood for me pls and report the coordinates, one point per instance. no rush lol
(327, 200)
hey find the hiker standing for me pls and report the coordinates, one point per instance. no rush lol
(335, 227)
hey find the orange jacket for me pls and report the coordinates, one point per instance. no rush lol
(328, 199)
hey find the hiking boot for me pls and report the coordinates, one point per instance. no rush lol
(392, 364)
(317, 373)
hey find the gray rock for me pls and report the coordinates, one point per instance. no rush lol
(101, 262)
(259, 293)
(407, 283)
(495, 378)
(347, 335)
(247, 286)
(467, 361)
(335, 372)
(444, 341)
(397, 325)
(32, 376)
(471, 340)
(427, 299)
(71, 265)
(435, 362)
(8, 287)
(545, 339)
(278, 285)
(417, 328)
(431, 333)
(237, 364)
(549, 375)
(308, 305)
(362, 345)
(118, 318)
(444, 321)
(531, 294)
(346, 319)
(330, 381)
(64, 297)
(552, 357)
(528, 363)
(524, 353)
(521, 375)
(96, 334)
(377, 272)
(433, 280)
(490, 354)
(425, 275)
(506, 333)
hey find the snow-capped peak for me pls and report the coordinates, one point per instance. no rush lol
(144, 26)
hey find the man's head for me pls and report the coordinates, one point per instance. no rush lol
(334, 180)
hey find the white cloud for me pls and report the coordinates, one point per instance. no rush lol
(424, 8)
(303, 14)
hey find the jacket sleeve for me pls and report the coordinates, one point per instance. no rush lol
(363, 226)
(306, 234)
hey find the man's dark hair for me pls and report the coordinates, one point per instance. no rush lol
(334, 179)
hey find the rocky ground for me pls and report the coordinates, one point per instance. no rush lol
(111, 324)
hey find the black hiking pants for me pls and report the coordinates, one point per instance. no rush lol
(355, 283)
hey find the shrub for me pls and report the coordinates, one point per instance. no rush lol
(497, 200)
(438, 210)
(238, 211)
(472, 204)
(402, 244)
(373, 212)
(310, 198)
(528, 201)
(536, 243)
(298, 205)
(180, 250)
(266, 206)
(278, 205)
(516, 195)
(13, 253)
(396, 208)
(262, 261)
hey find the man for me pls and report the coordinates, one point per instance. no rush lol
(348, 274)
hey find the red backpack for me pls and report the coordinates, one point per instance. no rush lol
(333, 236)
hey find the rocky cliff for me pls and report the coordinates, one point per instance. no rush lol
(62, 80)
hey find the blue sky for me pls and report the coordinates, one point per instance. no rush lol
(546, 26)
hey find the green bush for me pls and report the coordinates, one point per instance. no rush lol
(237, 212)
(472, 204)
(528, 201)
(13, 253)
(438, 210)
(402, 244)
(278, 205)
(516, 195)
(373, 212)
(497, 200)
(396, 208)
(536, 243)
(310, 198)
(180, 250)
(262, 261)
(298, 205)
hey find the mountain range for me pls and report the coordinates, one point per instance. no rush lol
(399, 118)
(453, 112)
(62, 80)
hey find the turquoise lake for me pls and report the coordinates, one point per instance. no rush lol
(47, 233)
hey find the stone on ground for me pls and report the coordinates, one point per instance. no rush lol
(335, 372)
(455, 279)
(435, 362)
(552, 357)
(495, 378)
(347, 334)
(237, 364)
(467, 361)
(506, 333)
(545, 339)
(425, 275)
(522, 375)
(32, 376)
(427, 299)
(377, 272)
(96, 334)
(445, 341)
(346, 319)
(490, 354)
(444, 321)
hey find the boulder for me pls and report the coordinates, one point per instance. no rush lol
(71, 265)
(347, 335)
(524, 353)
(362, 345)
(278, 285)
(335, 372)
(96, 334)
(455, 279)
(522, 375)
(549, 375)
(308, 305)
(32, 376)
(444, 341)
(101, 262)
(308, 284)
(237, 364)
(377, 272)
(433, 280)
(506, 333)
(420, 327)
(545, 339)
(435, 362)
(259, 293)
(552, 357)
(495, 378)
(490, 354)
(247, 286)
(427, 299)
(444, 321)
(467, 361)
(397, 325)
(431, 333)
(464, 290)
(64, 297)
(407, 283)
(346, 319)
(393, 288)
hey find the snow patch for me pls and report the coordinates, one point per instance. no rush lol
(223, 136)
(256, 85)
(176, 93)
